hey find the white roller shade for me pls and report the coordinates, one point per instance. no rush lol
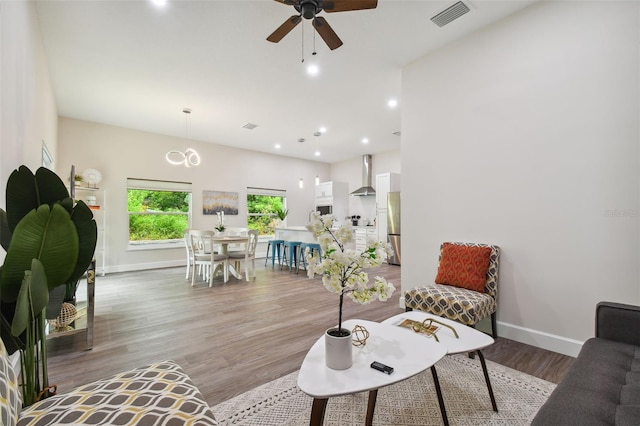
(158, 185)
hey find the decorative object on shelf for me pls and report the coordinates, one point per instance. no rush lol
(189, 157)
(220, 227)
(91, 177)
(343, 272)
(39, 209)
(68, 314)
(360, 335)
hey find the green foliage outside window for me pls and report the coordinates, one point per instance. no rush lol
(262, 212)
(157, 215)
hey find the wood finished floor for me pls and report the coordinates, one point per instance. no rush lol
(232, 337)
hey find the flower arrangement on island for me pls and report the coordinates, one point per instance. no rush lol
(220, 227)
(342, 269)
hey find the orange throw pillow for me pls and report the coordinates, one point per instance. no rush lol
(464, 266)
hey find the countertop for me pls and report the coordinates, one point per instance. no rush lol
(304, 228)
(293, 228)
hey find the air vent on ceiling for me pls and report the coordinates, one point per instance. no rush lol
(249, 126)
(449, 14)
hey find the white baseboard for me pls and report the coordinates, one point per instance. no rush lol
(149, 265)
(145, 266)
(540, 339)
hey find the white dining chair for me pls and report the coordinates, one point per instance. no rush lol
(189, 250)
(205, 257)
(248, 256)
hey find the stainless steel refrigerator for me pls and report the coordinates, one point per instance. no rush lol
(393, 226)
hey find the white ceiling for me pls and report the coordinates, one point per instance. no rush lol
(130, 64)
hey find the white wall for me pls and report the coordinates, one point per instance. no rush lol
(525, 135)
(28, 113)
(120, 153)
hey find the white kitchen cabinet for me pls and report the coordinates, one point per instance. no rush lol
(385, 183)
(324, 189)
(364, 234)
(336, 195)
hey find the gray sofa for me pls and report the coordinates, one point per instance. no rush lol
(602, 387)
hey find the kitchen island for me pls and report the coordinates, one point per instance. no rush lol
(295, 233)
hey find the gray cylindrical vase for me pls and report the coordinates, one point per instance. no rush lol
(338, 350)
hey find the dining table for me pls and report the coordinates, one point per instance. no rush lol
(223, 241)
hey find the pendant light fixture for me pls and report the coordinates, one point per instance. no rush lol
(189, 157)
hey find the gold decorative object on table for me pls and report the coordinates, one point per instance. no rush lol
(360, 335)
(427, 327)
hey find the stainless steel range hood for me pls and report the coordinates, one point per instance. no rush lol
(366, 188)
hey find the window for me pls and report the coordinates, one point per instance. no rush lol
(263, 206)
(159, 211)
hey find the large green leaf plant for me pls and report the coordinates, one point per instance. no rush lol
(50, 241)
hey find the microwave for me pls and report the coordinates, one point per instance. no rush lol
(323, 210)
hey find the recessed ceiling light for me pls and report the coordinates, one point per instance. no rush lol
(317, 153)
(392, 103)
(278, 146)
(365, 140)
(323, 129)
(159, 3)
(312, 70)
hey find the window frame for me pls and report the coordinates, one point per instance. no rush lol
(160, 186)
(268, 192)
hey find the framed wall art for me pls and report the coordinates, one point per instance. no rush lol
(47, 158)
(219, 201)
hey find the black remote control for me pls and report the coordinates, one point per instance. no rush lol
(381, 367)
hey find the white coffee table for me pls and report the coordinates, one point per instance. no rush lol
(408, 353)
(469, 340)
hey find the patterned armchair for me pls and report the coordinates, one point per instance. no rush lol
(459, 301)
(159, 394)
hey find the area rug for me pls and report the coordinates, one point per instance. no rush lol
(412, 402)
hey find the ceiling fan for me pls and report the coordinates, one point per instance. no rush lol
(309, 9)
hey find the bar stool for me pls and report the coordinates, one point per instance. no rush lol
(312, 247)
(291, 250)
(273, 244)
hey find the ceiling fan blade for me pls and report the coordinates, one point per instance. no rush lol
(326, 32)
(347, 5)
(287, 2)
(284, 29)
